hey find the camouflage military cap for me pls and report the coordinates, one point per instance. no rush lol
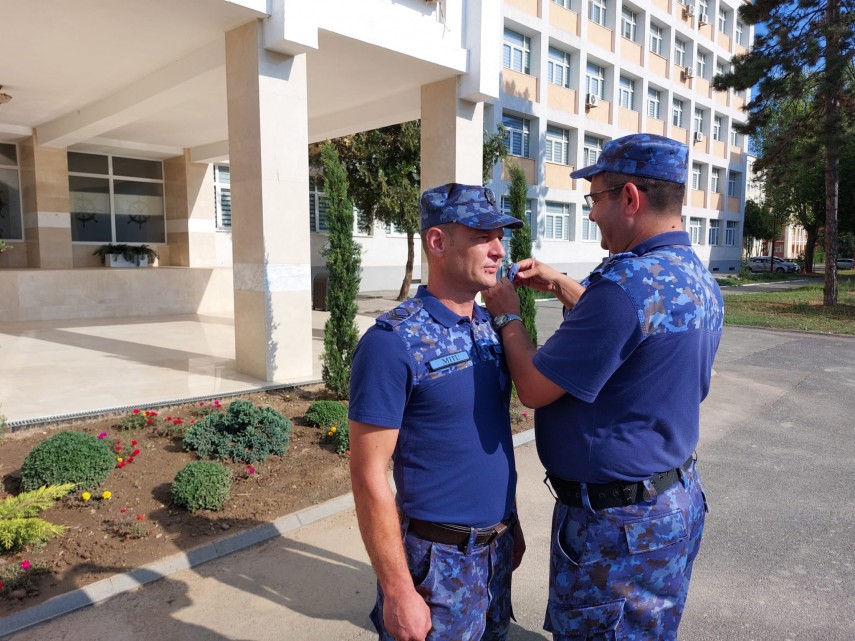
(644, 155)
(470, 205)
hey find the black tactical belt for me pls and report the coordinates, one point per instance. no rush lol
(616, 493)
(458, 535)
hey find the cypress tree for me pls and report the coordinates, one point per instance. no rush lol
(343, 260)
(521, 245)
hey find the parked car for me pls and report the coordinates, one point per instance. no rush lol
(844, 263)
(760, 264)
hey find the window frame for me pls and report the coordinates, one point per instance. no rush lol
(695, 227)
(657, 36)
(677, 109)
(598, 81)
(592, 147)
(700, 64)
(222, 188)
(730, 233)
(718, 122)
(698, 120)
(19, 214)
(597, 12)
(626, 92)
(565, 216)
(557, 136)
(629, 19)
(697, 175)
(732, 186)
(563, 64)
(679, 52)
(523, 131)
(715, 180)
(654, 101)
(713, 232)
(509, 47)
(590, 230)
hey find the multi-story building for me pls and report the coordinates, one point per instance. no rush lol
(578, 73)
(792, 240)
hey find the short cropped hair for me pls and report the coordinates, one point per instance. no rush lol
(664, 196)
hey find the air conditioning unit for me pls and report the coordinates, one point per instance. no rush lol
(702, 19)
(688, 72)
(592, 100)
(688, 10)
(699, 137)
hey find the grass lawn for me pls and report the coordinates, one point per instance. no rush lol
(798, 309)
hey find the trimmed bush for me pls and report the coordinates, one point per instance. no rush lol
(243, 434)
(68, 457)
(326, 414)
(202, 485)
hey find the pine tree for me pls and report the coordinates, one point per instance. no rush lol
(521, 245)
(343, 261)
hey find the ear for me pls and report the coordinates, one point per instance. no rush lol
(632, 199)
(436, 240)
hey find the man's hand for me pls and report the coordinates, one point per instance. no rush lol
(540, 276)
(406, 616)
(519, 545)
(502, 298)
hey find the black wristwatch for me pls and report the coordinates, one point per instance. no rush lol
(503, 319)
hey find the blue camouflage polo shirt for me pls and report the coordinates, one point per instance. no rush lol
(635, 356)
(442, 381)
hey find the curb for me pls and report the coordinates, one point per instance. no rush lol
(120, 583)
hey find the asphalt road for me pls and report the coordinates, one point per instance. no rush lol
(776, 458)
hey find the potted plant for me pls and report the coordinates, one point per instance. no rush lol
(124, 255)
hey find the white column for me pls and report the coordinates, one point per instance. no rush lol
(268, 154)
(452, 142)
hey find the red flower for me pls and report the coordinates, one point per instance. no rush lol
(154, 413)
(140, 517)
(168, 418)
(133, 442)
(123, 510)
(135, 453)
(122, 464)
(118, 442)
(118, 448)
(1, 585)
(201, 403)
(150, 421)
(136, 411)
(25, 565)
(177, 421)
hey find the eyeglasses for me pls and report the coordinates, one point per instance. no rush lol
(590, 202)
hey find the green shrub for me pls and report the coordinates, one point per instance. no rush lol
(19, 526)
(326, 414)
(202, 485)
(68, 457)
(243, 434)
(339, 436)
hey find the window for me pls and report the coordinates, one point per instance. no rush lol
(715, 180)
(656, 39)
(722, 20)
(590, 230)
(115, 199)
(715, 226)
(739, 33)
(716, 128)
(703, 11)
(557, 145)
(735, 138)
(719, 69)
(700, 64)
(592, 150)
(733, 184)
(558, 67)
(222, 196)
(626, 93)
(696, 176)
(628, 24)
(677, 113)
(506, 209)
(654, 100)
(11, 221)
(699, 120)
(517, 132)
(730, 233)
(557, 221)
(595, 80)
(597, 12)
(696, 227)
(516, 52)
(679, 52)
(318, 208)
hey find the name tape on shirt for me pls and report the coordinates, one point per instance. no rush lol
(448, 361)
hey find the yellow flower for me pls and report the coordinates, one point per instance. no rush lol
(119, 459)
(106, 495)
(333, 429)
(86, 496)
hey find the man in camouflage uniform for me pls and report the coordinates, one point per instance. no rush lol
(618, 389)
(430, 389)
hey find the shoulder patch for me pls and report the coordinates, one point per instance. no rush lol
(399, 314)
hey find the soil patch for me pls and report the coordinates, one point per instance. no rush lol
(138, 523)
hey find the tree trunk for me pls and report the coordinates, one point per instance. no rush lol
(810, 247)
(408, 274)
(834, 67)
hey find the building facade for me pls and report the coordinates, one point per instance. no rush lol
(578, 73)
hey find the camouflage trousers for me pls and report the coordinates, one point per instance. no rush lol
(622, 574)
(468, 590)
